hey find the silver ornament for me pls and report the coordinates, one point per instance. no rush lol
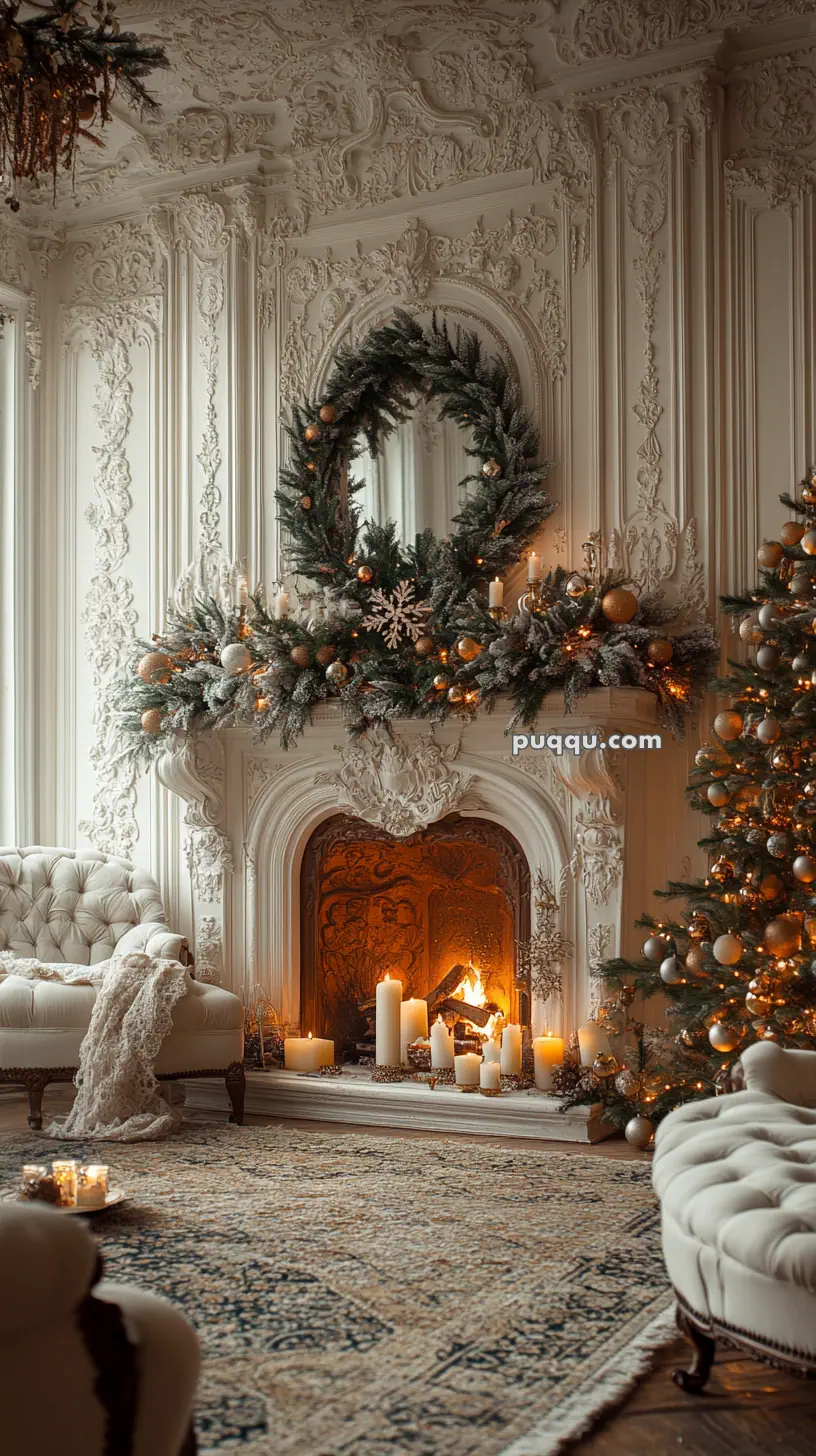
(627, 1083)
(639, 1132)
(671, 971)
(655, 948)
(768, 616)
(576, 585)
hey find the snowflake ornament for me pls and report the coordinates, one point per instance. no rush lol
(396, 616)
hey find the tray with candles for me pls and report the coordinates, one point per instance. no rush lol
(68, 1186)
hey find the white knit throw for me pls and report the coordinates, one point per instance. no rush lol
(118, 1096)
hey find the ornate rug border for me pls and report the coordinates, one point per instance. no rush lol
(615, 1381)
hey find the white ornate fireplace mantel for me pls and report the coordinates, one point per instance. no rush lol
(252, 806)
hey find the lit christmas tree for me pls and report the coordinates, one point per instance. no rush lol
(739, 964)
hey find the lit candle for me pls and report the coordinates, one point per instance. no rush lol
(490, 1076)
(65, 1173)
(511, 1050)
(282, 604)
(240, 594)
(388, 1002)
(593, 1041)
(413, 1023)
(441, 1045)
(532, 567)
(467, 1068)
(302, 1053)
(491, 1050)
(548, 1052)
(92, 1186)
(325, 1049)
(496, 593)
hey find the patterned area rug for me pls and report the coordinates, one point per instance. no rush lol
(374, 1296)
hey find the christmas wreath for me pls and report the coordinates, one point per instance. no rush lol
(406, 630)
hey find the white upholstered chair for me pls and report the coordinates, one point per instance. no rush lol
(81, 907)
(86, 1368)
(736, 1178)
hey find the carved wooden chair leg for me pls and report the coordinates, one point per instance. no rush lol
(694, 1380)
(35, 1086)
(236, 1090)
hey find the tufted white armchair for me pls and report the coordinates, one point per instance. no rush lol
(79, 907)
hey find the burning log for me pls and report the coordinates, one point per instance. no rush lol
(448, 983)
(479, 1015)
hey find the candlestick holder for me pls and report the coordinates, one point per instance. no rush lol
(467, 1087)
(488, 1091)
(388, 1074)
(497, 613)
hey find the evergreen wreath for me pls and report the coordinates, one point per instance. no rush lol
(406, 631)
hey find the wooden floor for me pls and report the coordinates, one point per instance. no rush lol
(748, 1410)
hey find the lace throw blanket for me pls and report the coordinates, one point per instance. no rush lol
(118, 1096)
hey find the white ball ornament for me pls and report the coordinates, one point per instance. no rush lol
(236, 658)
(728, 725)
(723, 1038)
(639, 1132)
(655, 948)
(768, 730)
(728, 949)
(671, 971)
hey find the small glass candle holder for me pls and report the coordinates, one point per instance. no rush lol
(92, 1185)
(65, 1172)
(37, 1184)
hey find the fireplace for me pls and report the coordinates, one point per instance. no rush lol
(456, 893)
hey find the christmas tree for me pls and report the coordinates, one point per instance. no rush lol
(739, 963)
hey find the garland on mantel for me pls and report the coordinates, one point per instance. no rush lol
(406, 631)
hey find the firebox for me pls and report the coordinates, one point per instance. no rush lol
(456, 894)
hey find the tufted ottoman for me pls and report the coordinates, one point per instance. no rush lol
(81, 908)
(736, 1178)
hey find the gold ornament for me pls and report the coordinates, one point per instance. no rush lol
(722, 869)
(783, 936)
(808, 543)
(365, 574)
(769, 555)
(455, 694)
(757, 1005)
(619, 605)
(728, 949)
(627, 994)
(800, 586)
(310, 465)
(491, 469)
(154, 667)
(467, 648)
(697, 958)
(325, 654)
(809, 494)
(660, 651)
(639, 1132)
(750, 630)
(305, 502)
(424, 647)
(771, 886)
(311, 433)
(605, 1065)
(723, 1038)
(791, 533)
(337, 673)
(718, 795)
(804, 868)
(151, 720)
(576, 585)
(441, 682)
(328, 414)
(300, 655)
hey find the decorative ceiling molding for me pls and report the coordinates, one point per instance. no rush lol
(617, 29)
(774, 103)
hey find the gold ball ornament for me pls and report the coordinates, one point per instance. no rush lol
(311, 433)
(783, 936)
(605, 1065)
(441, 682)
(697, 958)
(660, 651)
(769, 555)
(750, 630)
(365, 574)
(619, 605)
(723, 1038)
(627, 1083)
(728, 949)
(468, 648)
(728, 725)
(804, 868)
(791, 533)
(722, 869)
(424, 647)
(771, 886)
(718, 795)
(151, 720)
(491, 469)
(626, 995)
(455, 694)
(337, 673)
(576, 585)
(325, 654)
(300, 655)
(154, 667)
(639, 1132)
(808, 543)
(328, 414)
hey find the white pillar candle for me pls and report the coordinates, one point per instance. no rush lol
(240, 594)
(548, 1052)
(282, 603)
(496, 593)
(413, 1023)
(511, 1050)
(467, 1068)
(441, 1045)
(490, 1076)
(302, 1053)
(325, 1050)
(491, 1050)
(593, 1041)
(389, 1000)
(532, 567)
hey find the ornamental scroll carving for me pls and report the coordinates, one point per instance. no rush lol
(193, 768)
(397, 785)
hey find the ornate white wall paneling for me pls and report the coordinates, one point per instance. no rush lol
(621, 200)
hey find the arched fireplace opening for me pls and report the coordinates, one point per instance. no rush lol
(455, 894)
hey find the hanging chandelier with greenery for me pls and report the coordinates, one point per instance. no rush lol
(59, 73)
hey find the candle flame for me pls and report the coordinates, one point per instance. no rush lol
(310, 1036)
(472, 989)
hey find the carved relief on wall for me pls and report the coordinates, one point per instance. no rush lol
(775, 104)
(399, 786)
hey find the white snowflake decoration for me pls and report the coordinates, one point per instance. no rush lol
(396, 615)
